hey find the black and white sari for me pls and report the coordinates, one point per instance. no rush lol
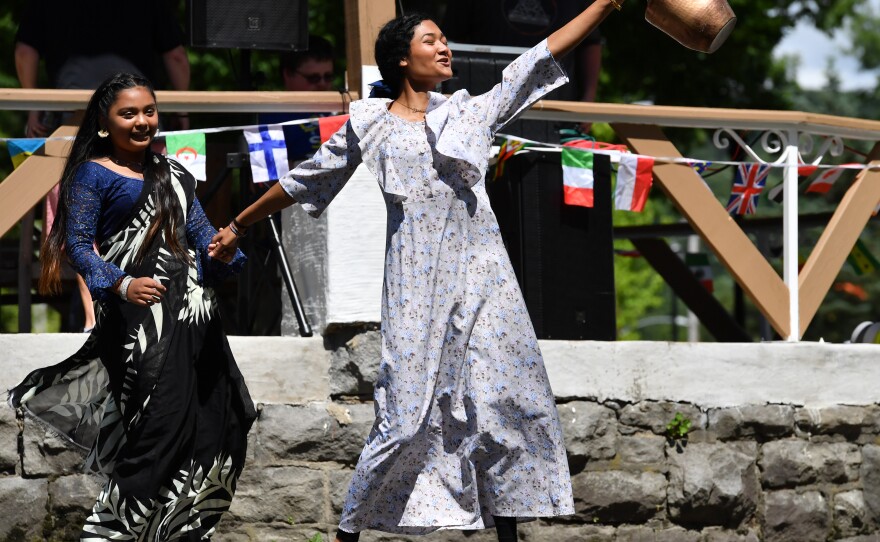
(154, 397)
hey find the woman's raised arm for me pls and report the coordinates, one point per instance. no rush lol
(569, 36)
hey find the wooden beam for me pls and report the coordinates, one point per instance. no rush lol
(700, 301)
(182, 100)
(838, 239)
(363, 19)
(362, 26)
(33, 179)
(699, 206)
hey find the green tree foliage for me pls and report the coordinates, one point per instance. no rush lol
(645, 64)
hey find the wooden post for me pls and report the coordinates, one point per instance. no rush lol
(25, 270)
(363, 19)
(710, 220)
(838, 239)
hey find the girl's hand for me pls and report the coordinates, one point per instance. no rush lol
(145, 291)
(223, 245)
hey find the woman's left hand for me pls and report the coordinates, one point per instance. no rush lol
(223, 245)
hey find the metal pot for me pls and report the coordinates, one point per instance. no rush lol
(702, 25)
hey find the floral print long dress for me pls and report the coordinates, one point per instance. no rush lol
(466, 423)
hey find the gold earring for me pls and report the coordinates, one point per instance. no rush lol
(103, 133)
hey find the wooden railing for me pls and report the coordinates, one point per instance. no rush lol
(788, 302)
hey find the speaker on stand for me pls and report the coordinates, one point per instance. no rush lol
(273, 25)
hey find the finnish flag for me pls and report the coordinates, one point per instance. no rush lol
(268, 153)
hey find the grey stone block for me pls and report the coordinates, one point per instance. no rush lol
(339, 481)
(646, 533)
(276, 532)
(719, 534)
(539, 532)
(317, 432)
(70, 502)
(10, 461)
(613, 497)
(46, 454)
(713, 484)
(287, 495)
(642, 449)
(851, 515)
(24, 508)
(655, 416)
(790, 516)
(870, 477)
(764, 421)
(590, 431)
(848, 421)
(354, 361)
(76, 492)
(796, 462)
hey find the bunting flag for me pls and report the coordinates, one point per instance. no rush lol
(20, 149)
(627, 253)
(698, 262)
(748, 182)
(805, 170)
(577, 177)
(508, 148)
(328, 126)
(634, 178)
(268, 153)
(777, 193)
(699, 166)
(190, 151)
(852, 289)
(823, 183)
(861, 259)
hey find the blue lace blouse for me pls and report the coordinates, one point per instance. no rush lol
(100, 201)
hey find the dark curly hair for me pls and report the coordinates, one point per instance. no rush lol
(392, 46)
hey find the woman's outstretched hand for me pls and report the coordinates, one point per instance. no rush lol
(145, 291)
(223, 245)
(569, 36)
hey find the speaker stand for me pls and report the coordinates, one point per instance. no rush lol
(237, 160)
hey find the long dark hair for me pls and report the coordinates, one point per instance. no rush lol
(392, 46)
(87, 146)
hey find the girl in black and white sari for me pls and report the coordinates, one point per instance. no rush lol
(154, 397)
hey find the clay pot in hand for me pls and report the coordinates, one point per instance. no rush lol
(702, 25)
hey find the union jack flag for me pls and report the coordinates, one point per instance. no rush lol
(748, 183)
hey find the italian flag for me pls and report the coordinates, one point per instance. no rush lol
(189, 150)
(577, 177)
(698, 262)
(635, 174)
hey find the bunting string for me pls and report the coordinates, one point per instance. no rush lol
(527, 145)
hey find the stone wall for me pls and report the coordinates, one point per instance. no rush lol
(777, 472)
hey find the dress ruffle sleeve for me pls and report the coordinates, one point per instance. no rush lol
(465, 125)
(315, 182)
(532, 75)
(83, 212)
(199, 232)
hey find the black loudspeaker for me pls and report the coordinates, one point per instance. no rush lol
(278, 25)
(563, 255)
